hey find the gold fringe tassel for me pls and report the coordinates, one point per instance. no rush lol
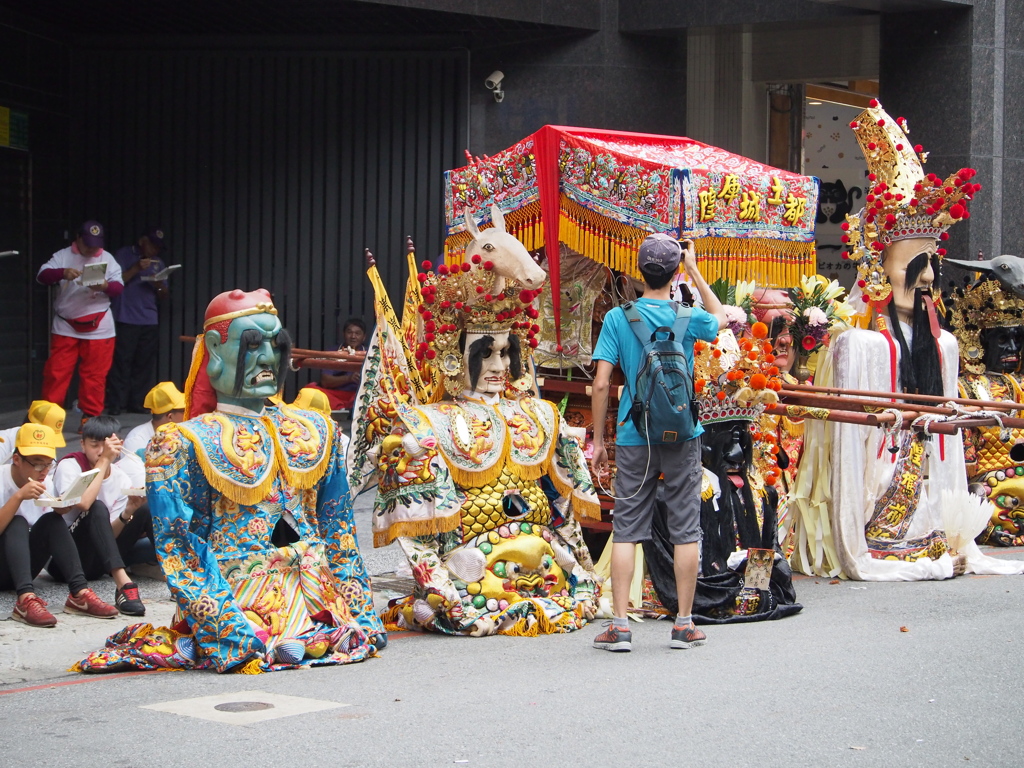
(771, 263)
(306, 479)
(522, 223)
(251, 667)
(585, 507)
(193, 372)
(543, 625)
(478, 478)
(430, 527)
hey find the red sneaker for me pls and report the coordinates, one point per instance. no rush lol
(31, 610)
(88, 604)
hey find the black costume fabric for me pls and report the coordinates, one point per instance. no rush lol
(715, 596)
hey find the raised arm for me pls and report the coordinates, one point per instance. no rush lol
(707, 296)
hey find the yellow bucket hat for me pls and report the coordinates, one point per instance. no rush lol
(50, 414)
(164, 397)
(36, 440)
(312, 399)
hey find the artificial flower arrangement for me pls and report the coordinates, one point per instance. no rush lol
(736, 380)
(817, 311)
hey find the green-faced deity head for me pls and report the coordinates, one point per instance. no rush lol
(248, 348)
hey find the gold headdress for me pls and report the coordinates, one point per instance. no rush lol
(902, 202)
(461, 298)
(976, 308)
(735, 380)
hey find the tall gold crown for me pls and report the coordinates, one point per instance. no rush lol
(985, 305)
(902, 201)
(464, 298)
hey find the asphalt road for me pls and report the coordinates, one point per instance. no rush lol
(839, 684)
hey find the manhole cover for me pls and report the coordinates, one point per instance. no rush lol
(243, 706)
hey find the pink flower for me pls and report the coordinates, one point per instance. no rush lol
(815, 316)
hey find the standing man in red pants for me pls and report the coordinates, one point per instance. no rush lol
(83, 326)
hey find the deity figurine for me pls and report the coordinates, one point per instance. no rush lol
(988, 322)
(478, 481)
(889, 492)
(252, 516)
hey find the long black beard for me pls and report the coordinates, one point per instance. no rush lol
(920, 366)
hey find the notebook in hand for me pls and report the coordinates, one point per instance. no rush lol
(72, 495)
(94, 274)
(160, 276)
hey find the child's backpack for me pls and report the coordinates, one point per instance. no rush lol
(664, 409)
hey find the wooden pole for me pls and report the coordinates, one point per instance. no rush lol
(939, 399)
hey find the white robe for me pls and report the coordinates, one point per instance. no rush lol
(860, 477)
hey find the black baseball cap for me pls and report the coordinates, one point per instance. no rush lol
(659, 252)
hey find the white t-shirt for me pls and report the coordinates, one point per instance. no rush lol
(7, 437)
(137, 440)
(28, 508)
(111, 492)
(74, 300)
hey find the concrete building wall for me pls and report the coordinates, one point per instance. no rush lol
(603, 79)
(958, 76)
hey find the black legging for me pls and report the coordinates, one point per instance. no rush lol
(140, 525)
(96, 544)
(24, 553)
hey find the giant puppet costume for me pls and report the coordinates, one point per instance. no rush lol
(478, 481)
(988, 322)
(888, 493)
(252, 517)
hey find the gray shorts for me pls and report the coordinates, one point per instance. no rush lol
(680, 463)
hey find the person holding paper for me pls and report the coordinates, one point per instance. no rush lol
(83, 329)
(104, 513)
(137, 317)
(31, 534)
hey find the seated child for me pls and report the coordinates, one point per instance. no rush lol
(105, 522)
(30, 535)
(166, 404)
(40, 412)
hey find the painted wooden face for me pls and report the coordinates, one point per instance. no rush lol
(1002, 346)
(252, 344)
(914, 259)
(494, 361)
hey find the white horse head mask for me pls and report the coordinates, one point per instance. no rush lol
(509, 256)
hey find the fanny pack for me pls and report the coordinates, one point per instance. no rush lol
(85, 323)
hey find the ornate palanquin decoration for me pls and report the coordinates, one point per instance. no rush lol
(985, 305)
(902, 202)
(602, 192)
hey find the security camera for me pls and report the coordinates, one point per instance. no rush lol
(493, 81)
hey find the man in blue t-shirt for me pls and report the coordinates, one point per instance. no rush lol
(639, 463)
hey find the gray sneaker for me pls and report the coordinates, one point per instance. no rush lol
(688, 637)
(614, 639)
